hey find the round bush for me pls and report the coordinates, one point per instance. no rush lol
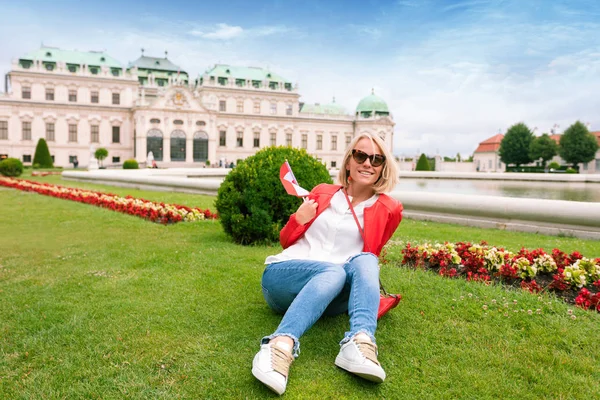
(11, 167)
(253, 206)
(130, 164)
(554, 165)
(571, 171)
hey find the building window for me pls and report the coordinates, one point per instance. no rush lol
(94, 70)
(273, 139)
(257, 107)
(72, 68)
(116, 134)
(3, 130)
(50, 94)
(222, 138)
(256, 139)
(288, 139)
(222, 105)
(333, 164)
(178, 122)
(72, 132)
(240, 106)
(115, 71)
(155, 121)
(116, 98)
(334, 142)
(27, 158)
(26, 130)
(348, 140)
(273, 108)
(240, 139)
(94, 97)
(199, 123)
(256, 84)
(26, 92)
(304, 141)
(50, 131)
(116, 159)
(273, 85)
(222, 81)
(319, 142)
(73, 95)
(288, 86)
(289, 109)
(95, 134)
(240, 82)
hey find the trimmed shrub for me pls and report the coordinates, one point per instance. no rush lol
(554, 165)
(423, 164)
(131, 164)
(571, 171)
(253, 206)
(11, 167)
(101, 154)
(42, 158)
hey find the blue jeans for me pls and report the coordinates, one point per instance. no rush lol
(305, 289)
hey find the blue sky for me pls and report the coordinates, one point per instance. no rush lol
(454, 72)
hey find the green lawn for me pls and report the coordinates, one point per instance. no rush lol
(97, 304)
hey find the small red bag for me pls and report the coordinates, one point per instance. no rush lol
(386, 303)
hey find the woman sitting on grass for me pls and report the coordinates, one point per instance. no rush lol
(327, 268)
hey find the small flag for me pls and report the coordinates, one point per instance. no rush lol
(289, 181)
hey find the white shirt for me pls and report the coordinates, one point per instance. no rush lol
(332, 237)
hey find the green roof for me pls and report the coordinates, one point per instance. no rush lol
(331, 109)
(52, 54)
(155, 64)
(248, 73)
(372, 103)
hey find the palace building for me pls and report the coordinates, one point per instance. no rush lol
(81, 101)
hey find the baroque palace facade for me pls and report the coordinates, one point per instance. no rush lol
(80, 101)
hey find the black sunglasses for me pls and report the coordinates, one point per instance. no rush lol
(360, 157)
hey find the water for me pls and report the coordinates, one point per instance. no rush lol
(572, 191)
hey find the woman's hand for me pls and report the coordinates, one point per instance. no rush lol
(306, 212)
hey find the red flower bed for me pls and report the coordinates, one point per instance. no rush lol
(571, 276)
(153, 211)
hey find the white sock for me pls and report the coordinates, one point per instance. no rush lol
(284, 346)
(362, 336)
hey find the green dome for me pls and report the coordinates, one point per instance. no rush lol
(332, 108)
(372, 103)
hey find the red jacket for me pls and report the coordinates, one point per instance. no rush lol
(380, 220)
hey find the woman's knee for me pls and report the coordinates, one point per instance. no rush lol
(364, 265)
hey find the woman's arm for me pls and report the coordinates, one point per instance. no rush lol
(295, 227)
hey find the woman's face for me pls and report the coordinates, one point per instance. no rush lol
(364, 174)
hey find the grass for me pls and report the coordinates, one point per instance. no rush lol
(98, 304)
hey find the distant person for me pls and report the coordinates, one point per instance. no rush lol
(75, 162)
(327, 267)
(231, 165)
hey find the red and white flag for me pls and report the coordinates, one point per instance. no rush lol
(289, 181)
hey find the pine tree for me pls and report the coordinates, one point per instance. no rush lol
(42, 158)
(423, 164)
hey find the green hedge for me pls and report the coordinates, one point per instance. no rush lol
(11, 167)
(253, 205)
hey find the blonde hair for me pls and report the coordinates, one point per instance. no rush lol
(389, 174)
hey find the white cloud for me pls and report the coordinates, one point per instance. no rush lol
(224, 32)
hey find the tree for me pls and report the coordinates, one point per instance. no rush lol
(42, 156)
(577, 145)
(543, 147)
(514, 148)
(423, 164)
(101, 154)
(458, 157)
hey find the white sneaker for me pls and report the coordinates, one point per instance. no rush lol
(271, 365)
(359, 356)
